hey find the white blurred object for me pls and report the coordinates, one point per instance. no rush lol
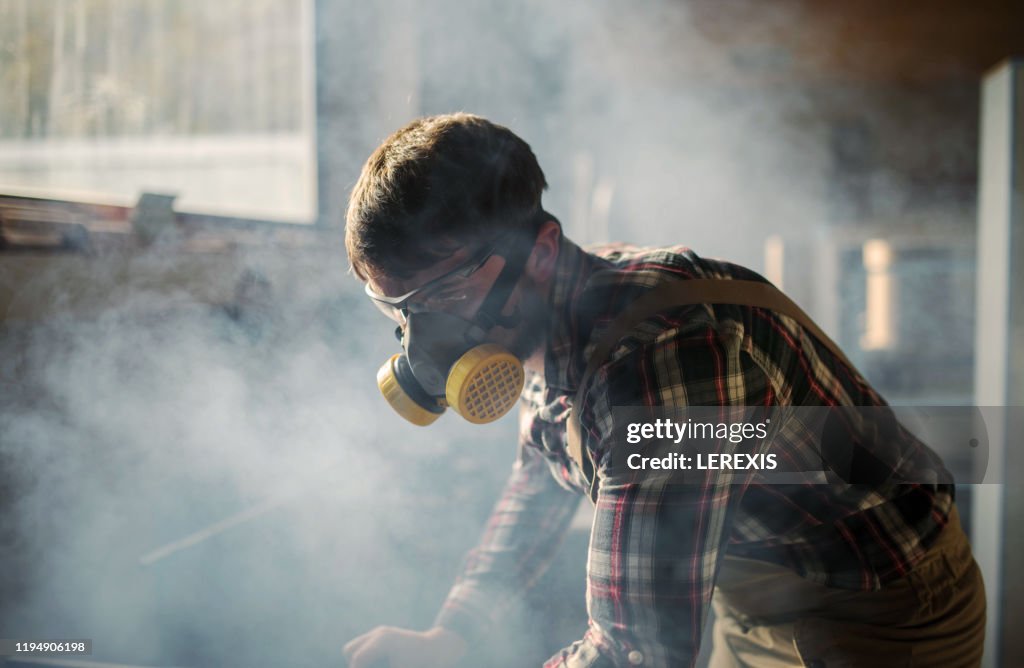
(774, 260)
(879, 330)
(1000, 284)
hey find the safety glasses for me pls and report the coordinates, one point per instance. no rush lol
(436, 294)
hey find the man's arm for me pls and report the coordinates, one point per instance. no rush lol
(657, 540)
(521, 537)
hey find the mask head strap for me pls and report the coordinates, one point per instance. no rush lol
(489, 314)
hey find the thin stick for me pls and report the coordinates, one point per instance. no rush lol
(188, 541)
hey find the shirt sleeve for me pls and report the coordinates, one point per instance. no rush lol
(521, 537)
(657, 540)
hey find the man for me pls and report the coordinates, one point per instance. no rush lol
(446, 228)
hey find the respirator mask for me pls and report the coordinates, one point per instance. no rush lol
(445, 362)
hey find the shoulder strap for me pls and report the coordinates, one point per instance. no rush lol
(664, 297)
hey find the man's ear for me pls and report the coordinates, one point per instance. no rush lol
(544, 255)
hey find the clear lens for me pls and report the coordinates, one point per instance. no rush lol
(388, 310)
(443, 300)
(444, 293)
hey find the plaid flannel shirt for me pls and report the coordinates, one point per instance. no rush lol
(655, 547)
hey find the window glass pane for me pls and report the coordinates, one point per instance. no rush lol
(210, 100)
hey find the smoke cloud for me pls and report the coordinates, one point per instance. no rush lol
(196, 477)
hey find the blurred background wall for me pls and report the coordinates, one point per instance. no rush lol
(195, 468)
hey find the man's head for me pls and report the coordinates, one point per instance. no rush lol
(433, 198)
(445, 225)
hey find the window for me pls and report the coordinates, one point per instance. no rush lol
(212, 101)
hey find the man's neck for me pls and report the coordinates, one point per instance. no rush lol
(535, 362)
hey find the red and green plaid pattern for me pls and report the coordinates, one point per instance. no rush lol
(655, 545)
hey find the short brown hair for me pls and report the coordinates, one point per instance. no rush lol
(436, 184)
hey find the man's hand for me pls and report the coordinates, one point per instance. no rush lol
(388, 647)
